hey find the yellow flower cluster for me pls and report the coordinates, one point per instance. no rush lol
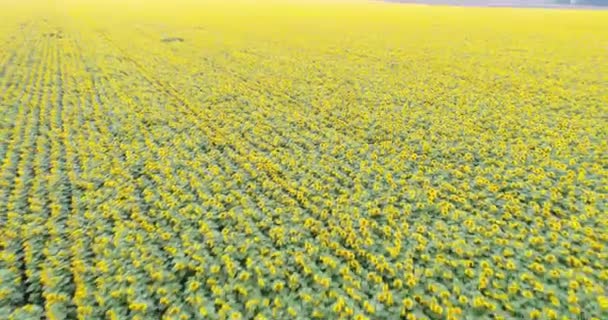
(286, 160)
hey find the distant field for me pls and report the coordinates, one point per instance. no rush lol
(298, 160)
(550, 4)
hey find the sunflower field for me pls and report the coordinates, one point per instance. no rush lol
(302, 160)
